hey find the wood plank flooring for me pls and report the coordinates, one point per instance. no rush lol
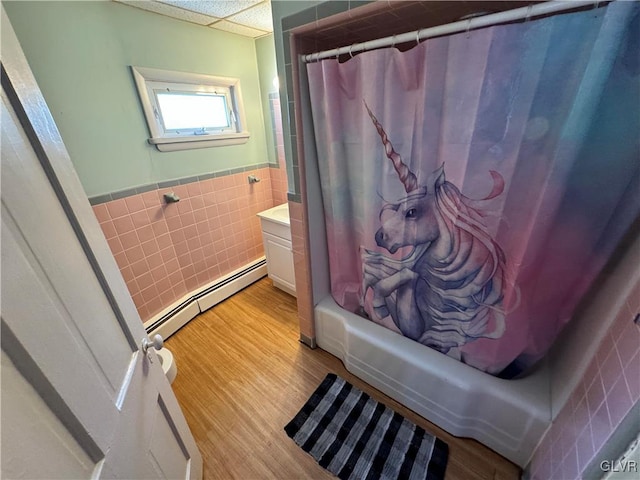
(243, 374)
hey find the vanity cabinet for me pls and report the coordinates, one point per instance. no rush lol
(280, 262)
(276, 238)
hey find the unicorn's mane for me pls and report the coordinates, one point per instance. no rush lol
(469, 279)
(454, 206)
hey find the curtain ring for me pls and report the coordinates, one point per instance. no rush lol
(393, 41)
(468, 27)
(529, 7)
(418, 37)
(350, 54)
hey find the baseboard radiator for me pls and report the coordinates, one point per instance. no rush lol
(172, 318)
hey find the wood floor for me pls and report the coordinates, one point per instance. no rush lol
(243, 374)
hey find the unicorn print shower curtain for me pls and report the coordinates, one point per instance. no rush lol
(475, 185)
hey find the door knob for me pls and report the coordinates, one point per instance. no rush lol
(156, 343)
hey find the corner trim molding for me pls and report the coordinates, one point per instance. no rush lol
(308, 341)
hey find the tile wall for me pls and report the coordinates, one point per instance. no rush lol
(302, 272)
(278, 178)
(606, 393)
(165, 251)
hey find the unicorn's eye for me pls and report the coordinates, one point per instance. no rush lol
(411, 213)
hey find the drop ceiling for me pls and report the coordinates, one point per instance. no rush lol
(251, 18)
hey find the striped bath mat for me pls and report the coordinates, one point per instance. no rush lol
(357, 438)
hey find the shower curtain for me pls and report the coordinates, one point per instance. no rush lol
(475, 185)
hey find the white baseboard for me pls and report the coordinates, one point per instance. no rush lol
(176, 321)
(175, 316)
(208, 300)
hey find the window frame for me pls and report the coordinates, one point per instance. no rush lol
(151, 80)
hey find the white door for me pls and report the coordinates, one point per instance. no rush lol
(79, 398)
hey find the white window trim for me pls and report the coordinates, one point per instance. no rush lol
(171, 142)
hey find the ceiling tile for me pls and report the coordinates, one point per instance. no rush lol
(257, 17)
(239, 29)
(217, 8)
(170, 11)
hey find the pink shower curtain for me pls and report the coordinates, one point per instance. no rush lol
(475, 185)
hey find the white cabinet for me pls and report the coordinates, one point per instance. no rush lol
(276, 237)
(280, 262)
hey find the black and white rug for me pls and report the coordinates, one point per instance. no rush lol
(357, 438)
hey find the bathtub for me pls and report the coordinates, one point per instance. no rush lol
(509, 416)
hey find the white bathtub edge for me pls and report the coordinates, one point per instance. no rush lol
(509, 416)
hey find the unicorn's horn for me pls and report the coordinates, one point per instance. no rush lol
(407, 177)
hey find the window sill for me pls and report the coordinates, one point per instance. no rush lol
(198, 141)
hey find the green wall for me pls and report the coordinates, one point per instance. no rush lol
(80, 53)
(266, 54)
(279, 10)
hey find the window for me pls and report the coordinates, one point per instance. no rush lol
(188, 110)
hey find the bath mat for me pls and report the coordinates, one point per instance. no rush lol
(355, 437)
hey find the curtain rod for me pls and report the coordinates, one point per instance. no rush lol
(455, 27)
